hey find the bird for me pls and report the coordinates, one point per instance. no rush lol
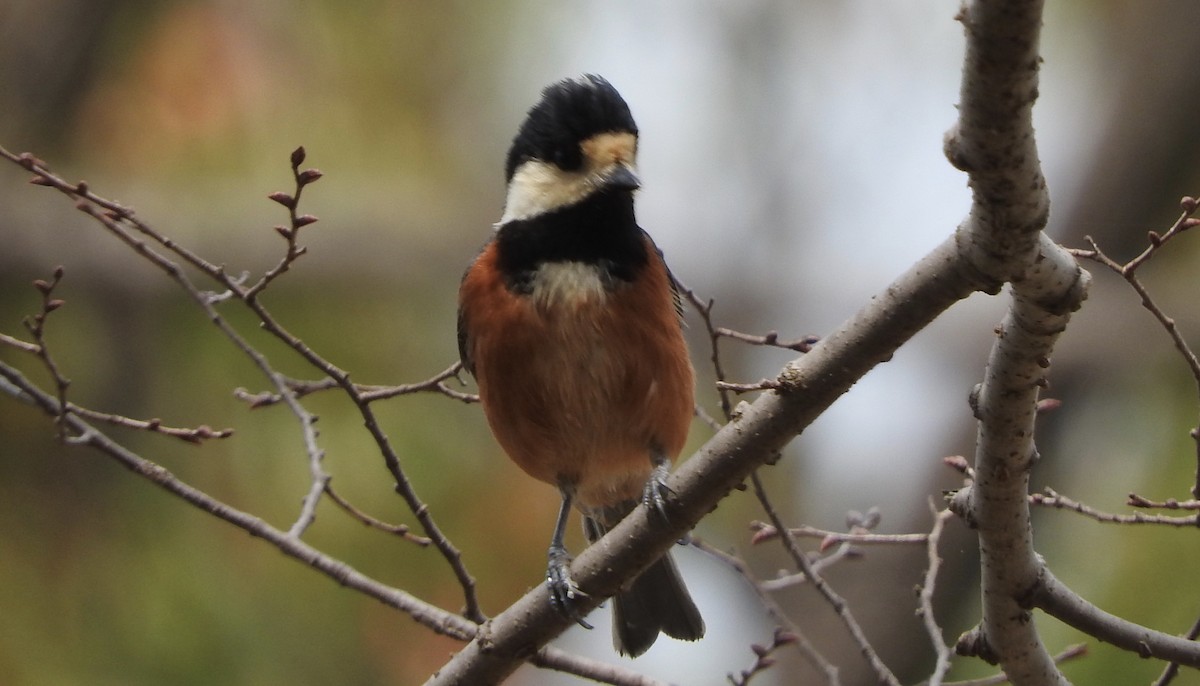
(571, 324)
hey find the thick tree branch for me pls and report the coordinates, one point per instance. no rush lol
(993, 141)
(998, 501)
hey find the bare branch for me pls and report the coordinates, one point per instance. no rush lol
(819, 563)
(836, 602)
(704, 309)
(807, 650)
(1053, 597)
(993, 141)
(765, 532)
(763, 655)
(1069, 653)
(1172, 670)
(369, 393)
(400, 530)
(430, 616)
(926, 598)
(1128, 271)
(1136, 500)
(120, 221)
(19, 344)
(707, 419)
(552, 658)
(195, 435)
(36, 325)
(435, 383)
(771, 338)
(440, 621)
(763, 385)
(1050, 498)
(292, 233)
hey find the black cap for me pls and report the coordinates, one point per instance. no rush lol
(570, 112)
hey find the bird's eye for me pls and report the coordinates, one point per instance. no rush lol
(568, 158)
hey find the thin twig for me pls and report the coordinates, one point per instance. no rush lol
(771, 339)
(195, 435)
(706, 418)
(400, 530)
(766, 532)
(1172, 669)
(762, 385)
(41, 351)
(1051, 498)
(435, 618)
(776, 613)
(436, 383)
(121, 222)
(764, 659)
(291, 234)
(319, 478)
(368, 392)
(1128, 271)
(1069, 653)
(1136, 500)
(835, 601)
(602, 672)
(820, 563)
(432, 617)
(704, 309)
(36, 325)
(19, 344)
(926, 597)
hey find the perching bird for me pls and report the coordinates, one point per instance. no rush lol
(569, 321)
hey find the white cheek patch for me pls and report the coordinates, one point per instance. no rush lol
(539, 187)
(559, 284)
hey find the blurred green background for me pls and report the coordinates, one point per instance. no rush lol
(792, 158)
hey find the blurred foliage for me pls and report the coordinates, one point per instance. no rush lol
(187, 111)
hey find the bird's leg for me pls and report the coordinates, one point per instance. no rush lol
(654, 495)
(563, 591)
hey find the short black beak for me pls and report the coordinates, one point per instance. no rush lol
(622, 178)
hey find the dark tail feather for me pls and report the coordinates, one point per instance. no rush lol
(657, 601)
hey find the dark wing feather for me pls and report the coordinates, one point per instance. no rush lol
(464, 353)
(675, 294)
(464, 335)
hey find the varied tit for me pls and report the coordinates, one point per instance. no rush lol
(569, 320)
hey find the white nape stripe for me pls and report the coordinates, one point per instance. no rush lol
(558, 284)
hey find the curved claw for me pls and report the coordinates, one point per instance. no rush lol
(654, 494)
(563, 590)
